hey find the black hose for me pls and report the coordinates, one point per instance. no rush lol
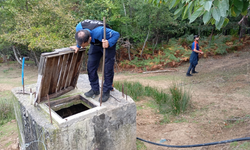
(196, 145)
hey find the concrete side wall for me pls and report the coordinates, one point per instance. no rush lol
(31, 135)
(110, 130)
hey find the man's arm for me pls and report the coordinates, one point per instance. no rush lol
(112, 36)
(197, 51)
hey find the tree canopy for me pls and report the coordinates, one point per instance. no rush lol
(212, 11)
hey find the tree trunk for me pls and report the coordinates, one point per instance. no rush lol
(144, 43)
(15, 53)
(210, 38)
(128, 48)
(35, 58)
(156, 42)
(242, 29)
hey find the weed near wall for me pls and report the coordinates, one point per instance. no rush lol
(175, 100)
(6, 108)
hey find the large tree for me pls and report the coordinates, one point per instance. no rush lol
(212, 11)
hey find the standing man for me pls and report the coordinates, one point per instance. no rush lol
(91, 32)
(194, 58)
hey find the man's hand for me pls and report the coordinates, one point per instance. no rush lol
(201, 53)
(105, 43)
(75, 48)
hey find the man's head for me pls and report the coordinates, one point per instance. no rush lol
(83, 38)
(196, 37)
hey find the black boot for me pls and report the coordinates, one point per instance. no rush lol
(189, 75)
(195, 71)
(91, 93)
(105, 96)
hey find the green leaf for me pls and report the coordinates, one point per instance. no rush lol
(178, 10)
(218, 24)
(244, 13)
(237, 11)
(206, 17)
(233, 12)
(238, 4)
(208, 5)
(184, 15)
(195, 14)
(223, 8)
(216, 2)
(173, 3)
(245, 5)
(212, 21)
(225, 22)
(215, 13)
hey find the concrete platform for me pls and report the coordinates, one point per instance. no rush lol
(111, 126)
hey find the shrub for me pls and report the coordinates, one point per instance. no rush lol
(176, 102)
(6, 109)
(179, 99)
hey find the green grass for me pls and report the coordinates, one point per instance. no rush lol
(240, 145)
(6, 107)
(140, 145)
(6, 130)
(180, 99)
(165, 120)
(175, 100)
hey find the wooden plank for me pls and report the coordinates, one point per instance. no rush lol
(59, 65)
(63, 100)
(47, 77)
(62, 72)
(72, 69)
(55, 74)
(87, 102)
(63, 52)
(67, 71)
(77, 68)
(54, 95)
(40, 81)
(41, 65)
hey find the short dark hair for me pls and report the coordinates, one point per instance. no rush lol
(196, 36)
(82, 36)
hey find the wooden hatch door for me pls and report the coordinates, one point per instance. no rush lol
(58, 73)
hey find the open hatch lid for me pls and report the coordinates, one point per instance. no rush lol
(58, 73)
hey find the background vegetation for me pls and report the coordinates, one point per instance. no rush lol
(150, 32)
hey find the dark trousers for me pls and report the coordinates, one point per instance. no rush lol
(94, 55)
(191, 67)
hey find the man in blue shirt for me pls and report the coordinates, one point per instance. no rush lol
(194, 58)
(91, 32)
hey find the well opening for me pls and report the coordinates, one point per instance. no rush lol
(69, 106)
(69, 111)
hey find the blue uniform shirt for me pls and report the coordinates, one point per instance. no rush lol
(195, 45)
(97, 34)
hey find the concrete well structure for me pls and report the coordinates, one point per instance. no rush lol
(60, 117)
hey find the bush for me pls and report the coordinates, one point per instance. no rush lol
(179, 100)
(6, 109)
(176, 102)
